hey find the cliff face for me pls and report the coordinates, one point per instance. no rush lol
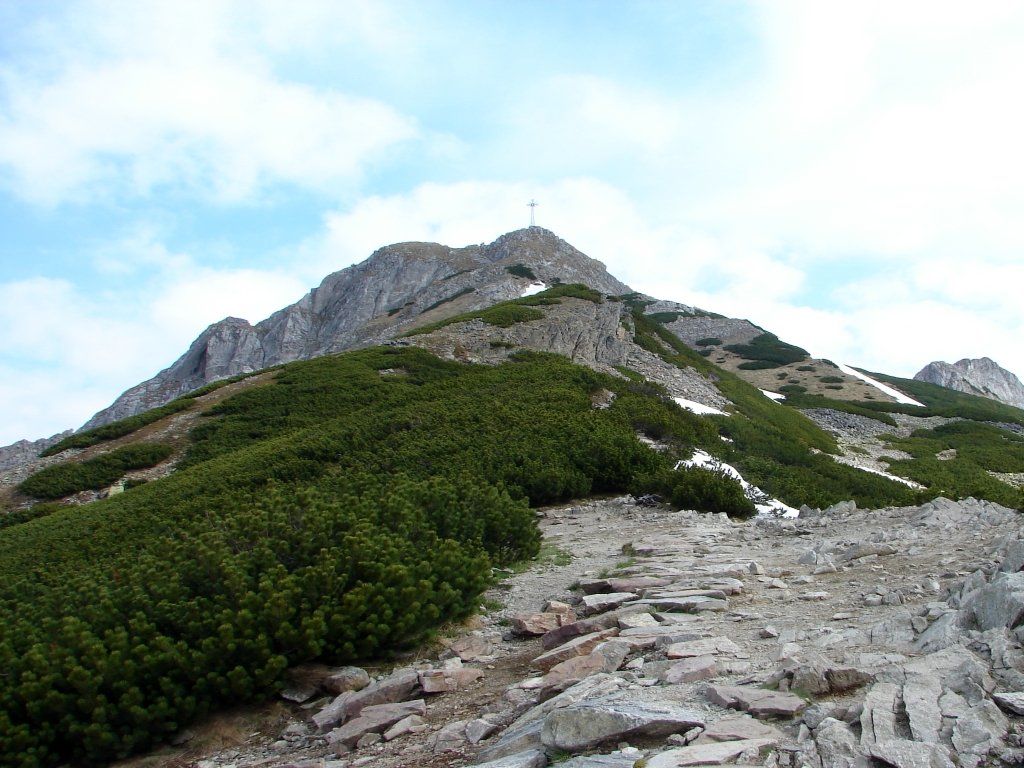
(982, 377)
(396, 289)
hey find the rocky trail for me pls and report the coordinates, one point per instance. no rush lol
(649, 638)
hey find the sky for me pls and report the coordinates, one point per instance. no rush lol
(848, 175)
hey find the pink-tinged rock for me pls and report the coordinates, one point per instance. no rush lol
(445, 680)
(703, 647)
(636, 583)
(398, 686)
(374, 718)
(592, 604)
(472, 648)
(557, 606)
(757, 701)
(691, 669)
(713, 753)
(534, 624)
(581, 646)
(346, 679)
(410, 724)
(637, 620)
(691, 604)
(606, 657)
(737, 728)
(587, 626)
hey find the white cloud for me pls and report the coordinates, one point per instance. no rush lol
(68, 353)
(211, 117)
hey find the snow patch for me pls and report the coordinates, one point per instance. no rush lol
(765, 504)
(851, 463)
(895, 393)
(532, 288)
(699, 408)
(773, 395)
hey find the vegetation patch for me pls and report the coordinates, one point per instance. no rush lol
(453, 297)
(758, 365)
(521, 270)
(767, 347)
(509, 313)
(116, 429)
(60, 480)
(709, 341)
(831, 379)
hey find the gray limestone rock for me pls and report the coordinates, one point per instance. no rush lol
(713, 753)
(374, 718)
(997, 605)
(345, 679)
(397, 687)
(757, 701)
(531, 758)
(1011, 702)
(397, 287)
(591, 723)
(981, 376)
(901, 753)
(837, 746)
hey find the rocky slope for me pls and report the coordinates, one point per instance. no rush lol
(982, 377)
(661, 639)
(396, 289)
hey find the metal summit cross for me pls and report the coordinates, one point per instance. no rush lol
(532, 205)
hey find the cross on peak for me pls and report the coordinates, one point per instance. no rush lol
(533, 205)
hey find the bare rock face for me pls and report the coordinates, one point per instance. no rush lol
(982, 377)
(398, 288)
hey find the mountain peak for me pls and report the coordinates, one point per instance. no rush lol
(395, 289)
(979, 376)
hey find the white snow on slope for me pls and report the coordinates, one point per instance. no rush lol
(773, 395)
(872, 470)
(900, 397)
(532, 288)
(700, 408)
(765, 505)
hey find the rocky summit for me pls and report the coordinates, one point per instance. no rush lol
(982, 377)
(844, 638)
(398, 288)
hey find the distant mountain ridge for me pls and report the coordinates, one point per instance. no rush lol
(982, 376)
(396, 289)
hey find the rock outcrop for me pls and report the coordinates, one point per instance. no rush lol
(396, 289)
(982, 377)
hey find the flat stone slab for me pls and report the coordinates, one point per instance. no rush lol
(738, 728)
(374, 718)
(625, 584)
(713, 753)
(600, 603)
(637, 621)
(445, 680)
(757, 701)
(588, 724)
(531, 758)
(692, 604)
(536, 624)
(903, 753)
(691, 669)
(708, 646)
(607, 620)
(580, 646)
(398, 686)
